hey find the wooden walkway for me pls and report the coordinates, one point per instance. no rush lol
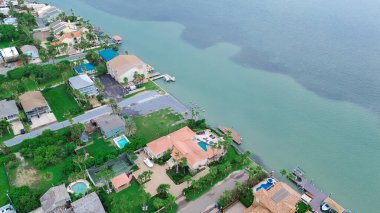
(235, 136)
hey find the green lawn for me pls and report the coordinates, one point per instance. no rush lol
(61, 101)
(100, 146)
(3, 187)
(6, 136)
(52, 175)
(128, 200)
(4, 44)
(157, 124)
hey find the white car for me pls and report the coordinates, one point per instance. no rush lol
(148, 162)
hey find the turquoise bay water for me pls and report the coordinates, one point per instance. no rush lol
(283, 124)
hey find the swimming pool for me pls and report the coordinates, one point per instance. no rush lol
(79, 188)
(266, 185)
(203, 145)
(121, 141)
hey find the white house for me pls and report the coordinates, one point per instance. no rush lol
(10, 21)
(125, 66)
(30, 50)
(9, 54)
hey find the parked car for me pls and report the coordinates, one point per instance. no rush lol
(148, 162)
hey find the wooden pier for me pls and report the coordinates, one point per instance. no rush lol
(235, 136)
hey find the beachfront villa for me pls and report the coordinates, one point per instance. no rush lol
(125, 66)
(69, 38)
(9, 54)
(84, 85)
(110, 125)
(8, 110)
(196, 148)
(34, 104)
(272, 196)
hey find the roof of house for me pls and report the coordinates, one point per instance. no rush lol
(281, 198)
(190, 150)
(10, 20)
(80, 81)
(166, 142)
(120, 180)
(9, 52)
(117, 38)
(55, 197)
(88, 204)
(85, 66)
(109, 122)
(108, 54)
(8, 108)
(27, 48)
(31, 100)
(76, 34)
(123, 63)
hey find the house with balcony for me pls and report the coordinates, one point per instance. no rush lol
(84, 84)
(34, 104)
(9, 54)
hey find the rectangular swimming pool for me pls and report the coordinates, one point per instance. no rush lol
(121, 141)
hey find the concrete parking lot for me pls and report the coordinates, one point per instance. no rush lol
(112, 89)
(148, 102)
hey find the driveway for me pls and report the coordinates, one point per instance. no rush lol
(209, 199)
(112, 89)
(160, 177)
(151, 101)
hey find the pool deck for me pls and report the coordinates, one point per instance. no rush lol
(318, 196)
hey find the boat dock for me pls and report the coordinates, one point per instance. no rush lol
(314, 196)
(235, 136)
(167, 77)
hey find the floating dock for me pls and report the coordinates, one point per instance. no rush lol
(235, 136)
(167, 78)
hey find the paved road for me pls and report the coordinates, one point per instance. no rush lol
(209, 199)
(87, 116)
(141, 104)
(68, 58)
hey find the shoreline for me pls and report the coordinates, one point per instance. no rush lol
(178, 99)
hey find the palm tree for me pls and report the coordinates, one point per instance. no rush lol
(187, 178)
(130, 127)
(162, 190)
(79, 160)
(114, 106)
(176, 155)
(4, 125)
(183, 163)
(283, 172)
(106, 174)
(25, 81)
(33, 78)
(213, 171)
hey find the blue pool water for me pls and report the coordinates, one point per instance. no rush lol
(121, 142)
(79, 188)
(203, 145)
(266, 185)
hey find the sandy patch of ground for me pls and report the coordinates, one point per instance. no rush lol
(26, 175)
